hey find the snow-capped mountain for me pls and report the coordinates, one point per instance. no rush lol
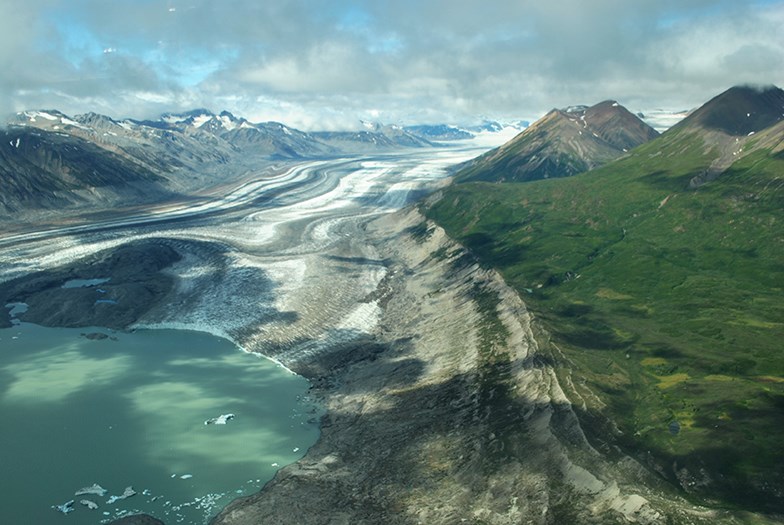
(439, 132)
(373, 136)
(51, 160)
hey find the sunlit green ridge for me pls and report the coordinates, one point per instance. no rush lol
(660, 278)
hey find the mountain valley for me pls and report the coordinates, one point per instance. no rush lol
(582, 325)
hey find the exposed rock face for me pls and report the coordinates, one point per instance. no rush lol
(454, 412)
(49, 170)
(561, 144)
(135, 285)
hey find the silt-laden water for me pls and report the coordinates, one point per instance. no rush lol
(129, 410)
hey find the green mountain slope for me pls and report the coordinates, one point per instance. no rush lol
(561, 144)
(660, 278)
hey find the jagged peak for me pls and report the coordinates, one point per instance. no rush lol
(93, 118)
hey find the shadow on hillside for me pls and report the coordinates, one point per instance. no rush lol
(465, 431)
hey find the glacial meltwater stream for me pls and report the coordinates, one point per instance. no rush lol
(130, 410)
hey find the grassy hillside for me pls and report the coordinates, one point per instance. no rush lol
(665, 301)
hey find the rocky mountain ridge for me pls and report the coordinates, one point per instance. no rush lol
(51, 161)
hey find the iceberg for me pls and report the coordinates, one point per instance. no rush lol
(127, 493)
(89, 504)
(220, 420)
(95, 489)
(65, 508)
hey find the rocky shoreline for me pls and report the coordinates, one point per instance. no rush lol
(449, 411)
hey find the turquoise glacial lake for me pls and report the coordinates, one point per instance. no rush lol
(130, 410)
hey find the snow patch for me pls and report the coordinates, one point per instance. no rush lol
(201, 120)
(69, 122)
(173, 119)
(32, 115)
(227, 122)
(362, 319)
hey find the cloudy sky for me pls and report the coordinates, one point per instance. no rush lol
(326, 64)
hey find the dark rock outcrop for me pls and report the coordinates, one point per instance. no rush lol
(135, 285)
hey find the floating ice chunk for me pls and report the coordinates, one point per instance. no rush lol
(16, 308)
(295, 449)
(127, 493)
(89, 504)
(186, 476)
(220, 420)
(65, 508)
(95, 488)
(275, 465)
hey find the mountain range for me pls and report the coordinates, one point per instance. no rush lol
(51, 161)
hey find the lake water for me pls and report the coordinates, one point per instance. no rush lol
(129, 410)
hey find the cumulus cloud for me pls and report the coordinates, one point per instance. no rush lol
(325, 65)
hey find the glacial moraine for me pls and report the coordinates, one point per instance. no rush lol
(280, 266)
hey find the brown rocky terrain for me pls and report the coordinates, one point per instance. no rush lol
(452, 413)
(564, 142)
